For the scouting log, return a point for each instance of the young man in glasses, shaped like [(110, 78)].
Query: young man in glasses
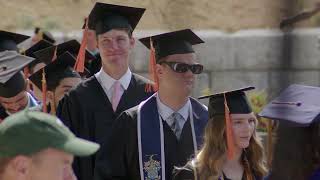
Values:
[(164, 131)]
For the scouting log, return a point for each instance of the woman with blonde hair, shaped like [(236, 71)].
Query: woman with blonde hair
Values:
[(231, 147)]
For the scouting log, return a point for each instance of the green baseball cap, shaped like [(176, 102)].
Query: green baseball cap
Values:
[(28, 132)]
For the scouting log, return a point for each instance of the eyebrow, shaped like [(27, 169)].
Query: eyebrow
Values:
[(67, 86), (238, 119)]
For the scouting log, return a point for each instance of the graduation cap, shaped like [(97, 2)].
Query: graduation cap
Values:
[(12, 81), (237, 102), (162, 45), (42, 44), (104, 17), (226, 103), (30, 52), (56, 71), (297, 105), (9, 40), (46, 35), (72, 46), (176, 42)]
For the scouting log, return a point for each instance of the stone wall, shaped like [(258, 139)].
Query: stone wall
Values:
[(248, 57), (252, 57)]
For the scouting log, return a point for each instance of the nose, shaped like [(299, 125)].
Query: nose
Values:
[(114, 44), (188, 73), (247, 126)]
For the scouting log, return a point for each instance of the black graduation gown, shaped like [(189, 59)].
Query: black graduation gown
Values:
[(3, 113), (87, 111), (95, 65), (120, 159)]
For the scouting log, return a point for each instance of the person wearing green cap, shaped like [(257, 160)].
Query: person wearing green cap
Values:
[(50, 153)]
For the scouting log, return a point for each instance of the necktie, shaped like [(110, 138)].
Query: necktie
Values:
[(176, 118), (116, 95)]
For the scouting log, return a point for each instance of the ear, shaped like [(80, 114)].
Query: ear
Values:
[(21, 166), (50, 96), (132, 42), (159, 70)]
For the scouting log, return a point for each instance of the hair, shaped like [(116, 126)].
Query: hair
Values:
[(129, 31), (211, 157), (296, 146)]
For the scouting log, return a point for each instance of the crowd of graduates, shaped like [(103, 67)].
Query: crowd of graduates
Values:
[(69, 99)]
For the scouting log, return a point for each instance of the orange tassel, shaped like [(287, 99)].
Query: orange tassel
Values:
[(152, 70), (44, 92), (229, 132), (79, 65)]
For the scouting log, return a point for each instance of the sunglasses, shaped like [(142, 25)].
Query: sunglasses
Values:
[(183, 67)]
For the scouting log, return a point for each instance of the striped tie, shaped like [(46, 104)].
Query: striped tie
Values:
[(176, 118)]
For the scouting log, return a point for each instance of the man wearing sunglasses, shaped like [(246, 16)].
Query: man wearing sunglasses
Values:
[(165, 130)]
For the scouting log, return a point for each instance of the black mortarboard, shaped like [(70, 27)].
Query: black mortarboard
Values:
[(236, 100), (177, 42), (9, 40), (56, 71), (297, 105), (71, 46), (42, 44), (104, 17), (12, 80), (46, 35)]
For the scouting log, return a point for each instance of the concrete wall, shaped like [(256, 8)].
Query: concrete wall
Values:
[(250, 57)]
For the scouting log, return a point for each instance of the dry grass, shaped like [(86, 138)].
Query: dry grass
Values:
[(228, 15)]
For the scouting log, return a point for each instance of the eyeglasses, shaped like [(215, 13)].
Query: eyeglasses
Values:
[(183, 67)]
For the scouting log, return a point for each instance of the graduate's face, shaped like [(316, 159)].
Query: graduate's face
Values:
[(115, 47), (175, 81), (49, 164), (64, 86), (16, 103), (243, 126)]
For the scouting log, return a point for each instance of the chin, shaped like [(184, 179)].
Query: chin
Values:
[(186, 91), (188, 88), (244, 145)]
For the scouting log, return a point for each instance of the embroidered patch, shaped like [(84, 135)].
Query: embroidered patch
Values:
[(152, 167)]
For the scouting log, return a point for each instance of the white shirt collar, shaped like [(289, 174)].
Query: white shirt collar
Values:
[(108, 81), (165, 111)]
